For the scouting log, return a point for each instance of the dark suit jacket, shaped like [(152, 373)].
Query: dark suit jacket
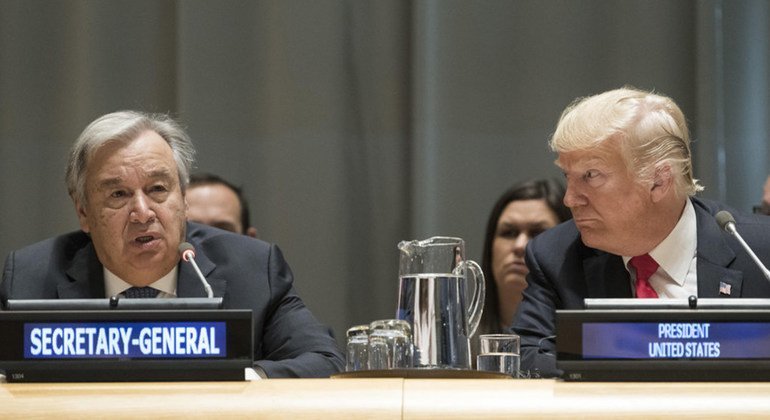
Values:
[(563, 271), (247, 273)]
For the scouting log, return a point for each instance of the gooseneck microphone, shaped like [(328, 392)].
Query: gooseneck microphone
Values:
[(727, 222), (188, 254)]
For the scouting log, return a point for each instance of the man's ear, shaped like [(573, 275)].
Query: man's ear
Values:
[(80, 209), (662, 182)]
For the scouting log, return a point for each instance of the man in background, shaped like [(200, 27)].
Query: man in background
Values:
[(213, 201), (127, 176), (637, 229), (764, 207)]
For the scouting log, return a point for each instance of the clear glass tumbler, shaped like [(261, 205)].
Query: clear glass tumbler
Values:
[(390, 344), (499, 353), (357, 348)]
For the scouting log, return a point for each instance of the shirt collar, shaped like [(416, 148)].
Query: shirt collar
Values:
[(676, 252), (114, 285)]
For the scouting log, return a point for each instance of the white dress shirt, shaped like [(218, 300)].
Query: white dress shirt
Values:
[(676, 277), (114, 285)]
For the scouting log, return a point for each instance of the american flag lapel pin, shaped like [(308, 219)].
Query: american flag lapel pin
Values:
[(724, 288)]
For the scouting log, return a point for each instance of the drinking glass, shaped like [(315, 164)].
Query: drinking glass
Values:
[(390, 344), (357, 348), (499, 353)]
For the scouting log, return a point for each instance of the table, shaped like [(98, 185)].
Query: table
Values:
[(385, 398)]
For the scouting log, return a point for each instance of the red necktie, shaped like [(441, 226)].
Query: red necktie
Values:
[(645, 266)]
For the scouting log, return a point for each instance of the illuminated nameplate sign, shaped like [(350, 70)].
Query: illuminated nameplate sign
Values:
[(675, 340), (132, 340), (664, 344), (125, 345)]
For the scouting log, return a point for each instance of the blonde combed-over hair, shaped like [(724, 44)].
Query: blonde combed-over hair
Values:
[(651, 129)]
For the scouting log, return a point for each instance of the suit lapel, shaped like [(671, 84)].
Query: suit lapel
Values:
[(714, 258), (188, 283), (606, 277), (85, 276)]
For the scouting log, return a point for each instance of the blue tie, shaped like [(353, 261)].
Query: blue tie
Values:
[(141, 292)]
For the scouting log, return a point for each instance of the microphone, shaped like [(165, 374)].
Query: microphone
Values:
[(727, 222), (188, 254)]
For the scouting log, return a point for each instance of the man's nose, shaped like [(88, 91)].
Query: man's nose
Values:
[(141, 210), (573, 197)]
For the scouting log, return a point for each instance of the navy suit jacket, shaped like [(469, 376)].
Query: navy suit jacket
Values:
[(564, 271), (246, 273)]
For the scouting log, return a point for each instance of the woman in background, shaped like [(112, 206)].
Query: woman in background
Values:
[(521, 213)]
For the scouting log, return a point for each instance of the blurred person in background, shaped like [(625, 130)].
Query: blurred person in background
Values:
[(213, 201), (764, 207), (522, 212)]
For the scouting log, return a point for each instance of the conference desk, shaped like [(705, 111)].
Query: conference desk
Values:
[(386, 398)]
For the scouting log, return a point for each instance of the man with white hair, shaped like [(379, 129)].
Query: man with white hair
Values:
[(127, 175), (637, 229)]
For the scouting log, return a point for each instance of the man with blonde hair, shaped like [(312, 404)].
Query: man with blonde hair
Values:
[(637, 230)]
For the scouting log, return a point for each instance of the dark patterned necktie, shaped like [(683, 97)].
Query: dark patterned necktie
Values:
[(645, 267), (141, 292)]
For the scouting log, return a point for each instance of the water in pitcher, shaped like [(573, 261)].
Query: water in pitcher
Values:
[(435, 305), (433, 279)]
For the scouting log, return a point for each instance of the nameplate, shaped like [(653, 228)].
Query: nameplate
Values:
[(125, 345), (100, 340), (664, 344)]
